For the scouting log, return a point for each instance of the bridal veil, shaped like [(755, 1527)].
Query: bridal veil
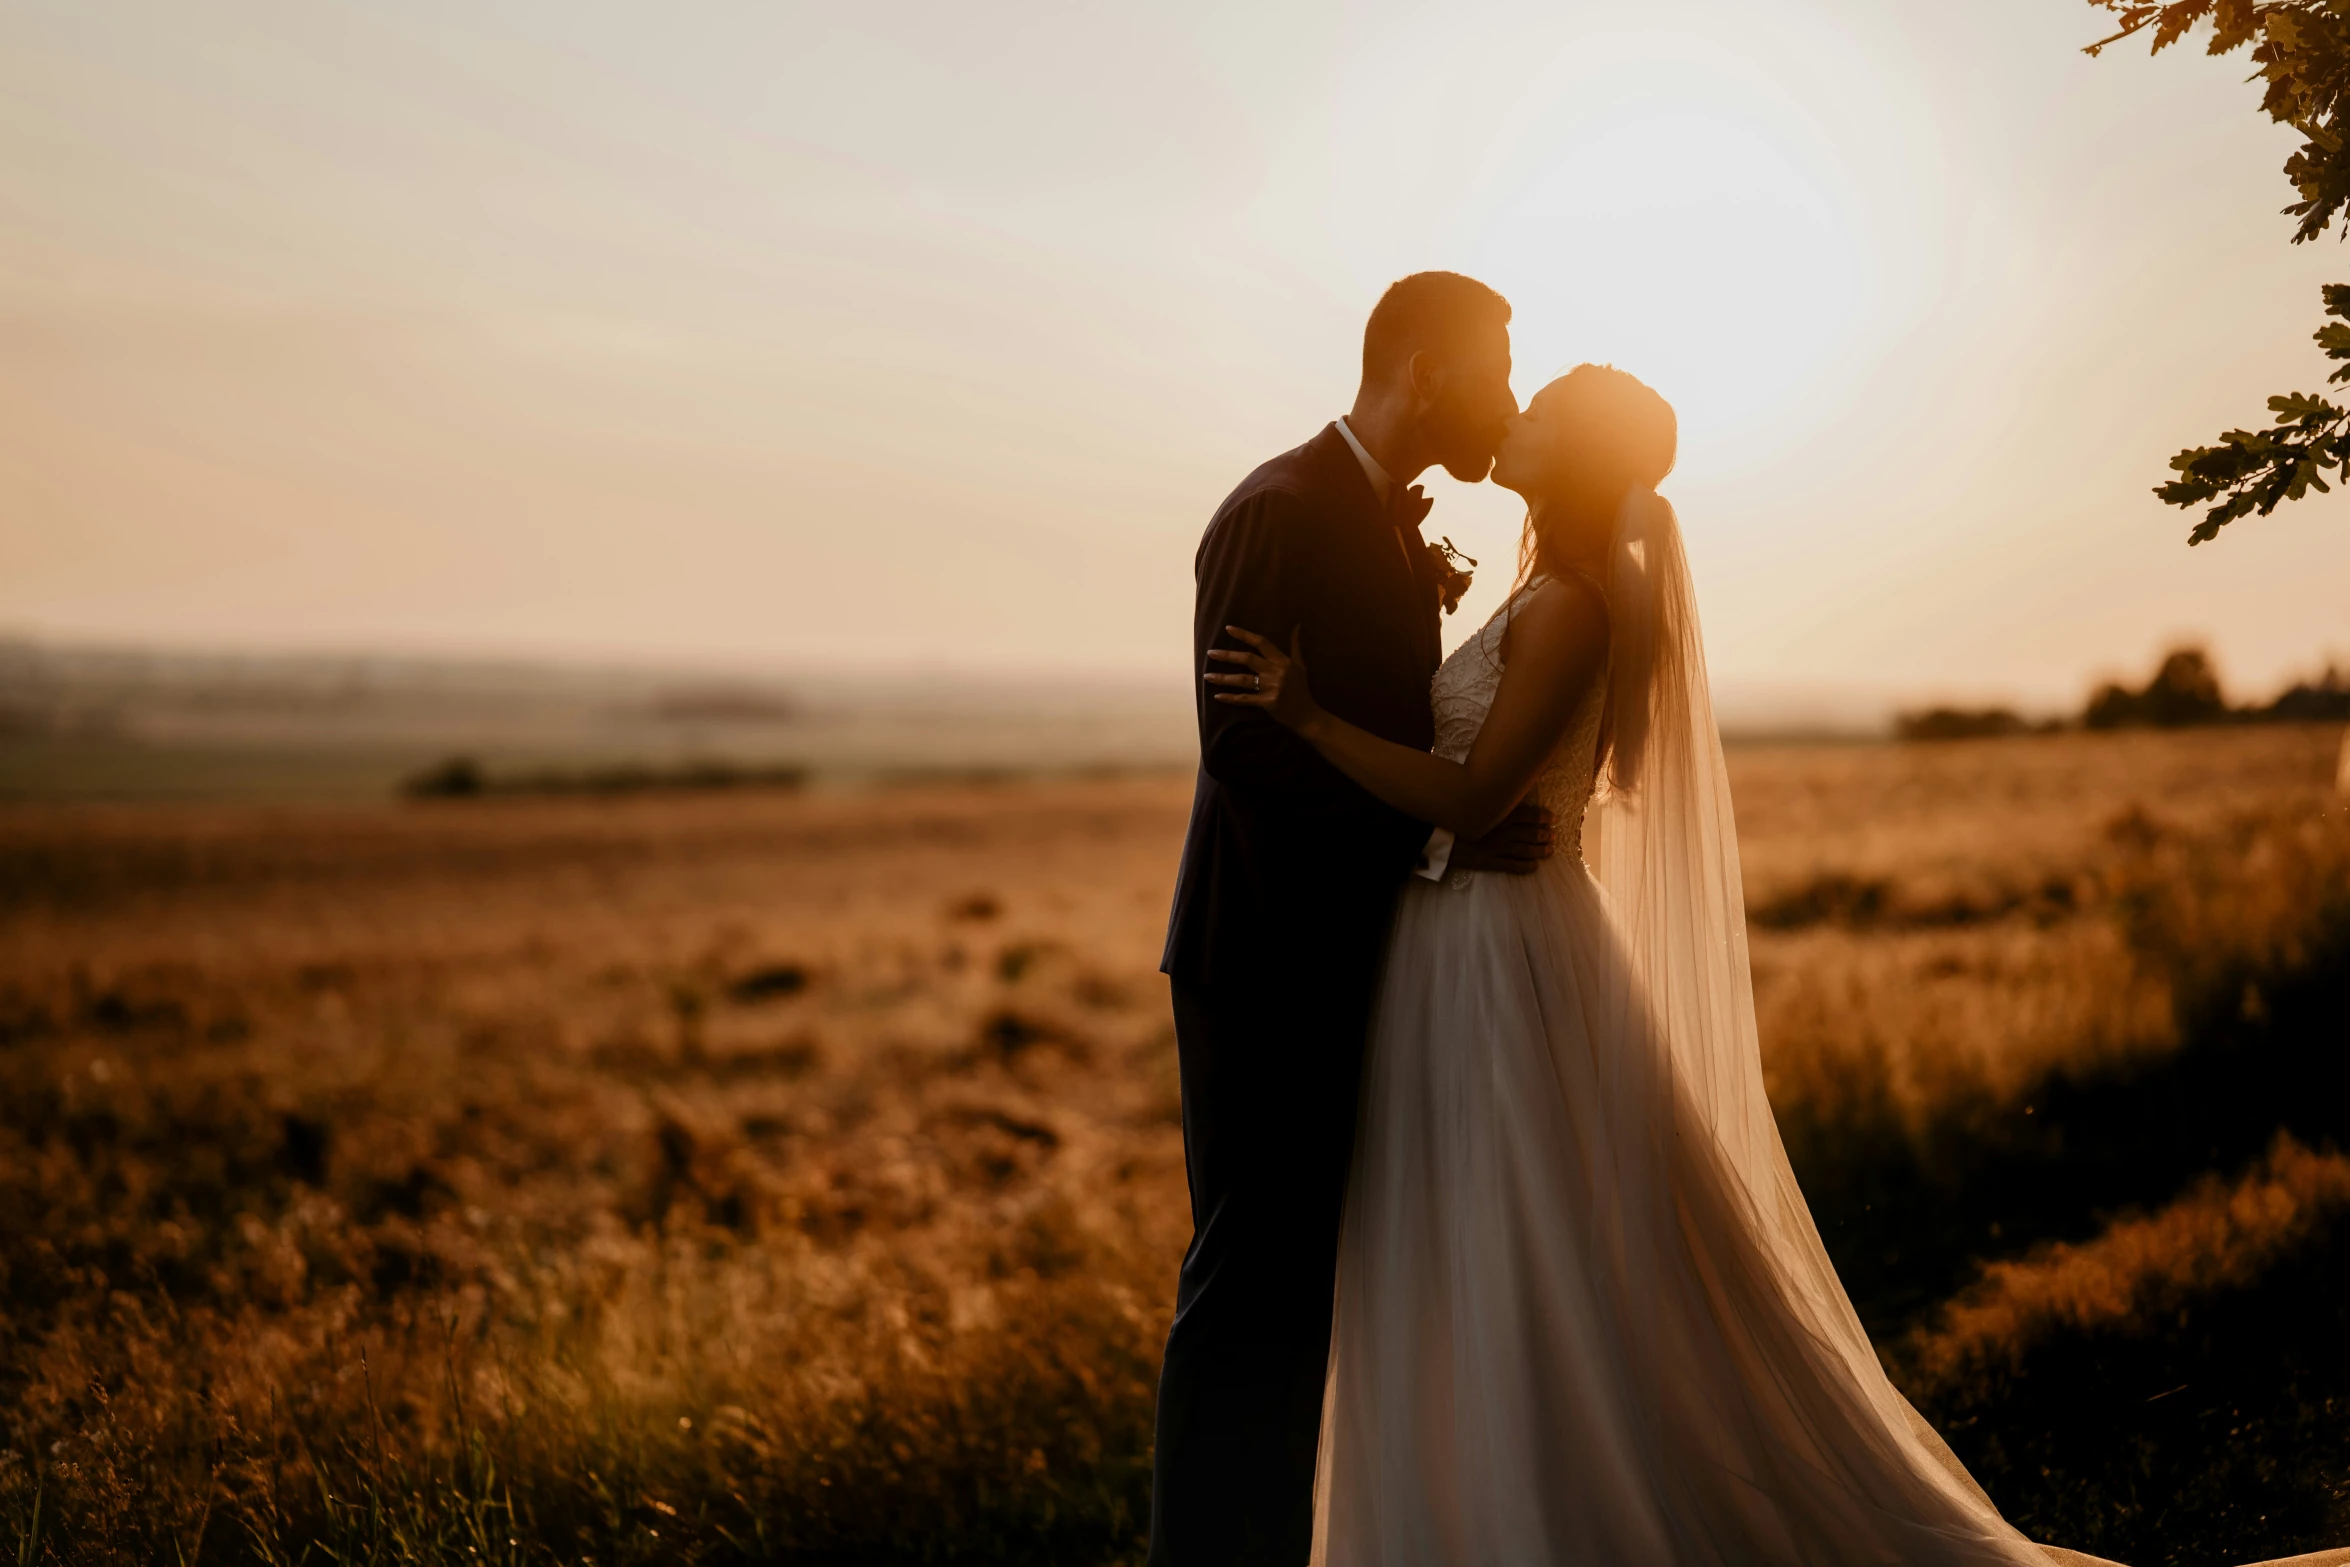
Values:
[(1661, 842)]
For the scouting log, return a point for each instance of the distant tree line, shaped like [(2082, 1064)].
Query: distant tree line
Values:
[(2184, 692), (462, 778)]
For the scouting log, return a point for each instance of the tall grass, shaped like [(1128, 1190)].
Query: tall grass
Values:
[(2211, 1019), (799, 1180), (2147, 1364), (2174, 1390), (692, 1403), (413, 1224)]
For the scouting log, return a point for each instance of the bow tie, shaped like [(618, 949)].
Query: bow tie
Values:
[(1408, 508)]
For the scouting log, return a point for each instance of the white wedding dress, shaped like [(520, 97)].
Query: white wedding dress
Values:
[(1583, 1316)]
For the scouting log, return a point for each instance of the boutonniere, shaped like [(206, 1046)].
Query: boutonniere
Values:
[(1449, 570)]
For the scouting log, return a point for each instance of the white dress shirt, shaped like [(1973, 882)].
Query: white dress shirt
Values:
[(1436, 854)]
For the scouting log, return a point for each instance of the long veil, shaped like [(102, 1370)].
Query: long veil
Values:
[(1661, 842)]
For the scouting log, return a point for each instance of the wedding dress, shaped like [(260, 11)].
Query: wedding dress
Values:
[(1583, 1314)]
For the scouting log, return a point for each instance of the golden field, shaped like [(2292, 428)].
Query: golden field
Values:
[(797, 1177)]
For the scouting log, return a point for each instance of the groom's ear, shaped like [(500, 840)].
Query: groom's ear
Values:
[(1427, 377)]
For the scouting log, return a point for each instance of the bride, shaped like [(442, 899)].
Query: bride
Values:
[(1583, 1314)]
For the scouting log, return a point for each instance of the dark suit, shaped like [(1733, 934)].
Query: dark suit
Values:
[(1289, 878)]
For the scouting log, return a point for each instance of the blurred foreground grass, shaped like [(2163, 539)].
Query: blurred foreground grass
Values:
[(798, 1178)]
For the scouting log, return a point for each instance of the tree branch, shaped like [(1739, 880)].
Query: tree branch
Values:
[(2259, 470)]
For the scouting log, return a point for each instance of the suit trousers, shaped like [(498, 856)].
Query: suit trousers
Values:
[(1270, 1077)]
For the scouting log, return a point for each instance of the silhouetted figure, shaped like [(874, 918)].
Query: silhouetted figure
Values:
[(1289, 876)]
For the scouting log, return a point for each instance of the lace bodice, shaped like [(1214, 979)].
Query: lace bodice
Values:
[(1462, 694)]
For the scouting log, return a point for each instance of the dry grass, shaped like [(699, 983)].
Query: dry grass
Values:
[(803, 1174), (2219, 1236), (798, 1177), (2172, 1390), (2069, 1093)]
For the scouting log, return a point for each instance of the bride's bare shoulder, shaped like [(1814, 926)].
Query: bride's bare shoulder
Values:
[(1562, 618)]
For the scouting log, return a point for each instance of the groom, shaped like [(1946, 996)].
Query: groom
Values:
[(1290, 873)]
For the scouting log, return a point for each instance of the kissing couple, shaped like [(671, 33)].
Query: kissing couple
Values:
[(1497, 1258)]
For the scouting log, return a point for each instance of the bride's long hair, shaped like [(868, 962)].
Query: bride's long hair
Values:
[(1617, 441)]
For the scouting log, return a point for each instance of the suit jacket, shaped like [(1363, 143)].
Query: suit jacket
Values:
[(1291, 869)]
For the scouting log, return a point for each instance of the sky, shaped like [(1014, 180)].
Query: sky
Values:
[(914, 337)]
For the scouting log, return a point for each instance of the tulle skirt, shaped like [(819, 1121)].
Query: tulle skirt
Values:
[(1569, 1329)]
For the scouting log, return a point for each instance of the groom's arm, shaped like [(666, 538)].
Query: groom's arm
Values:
[(1252, 563)]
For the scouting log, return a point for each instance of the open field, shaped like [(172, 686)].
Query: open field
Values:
[(91, 724), (797, 1176)]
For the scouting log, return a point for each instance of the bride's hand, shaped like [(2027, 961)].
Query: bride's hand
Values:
[(1267, 678)]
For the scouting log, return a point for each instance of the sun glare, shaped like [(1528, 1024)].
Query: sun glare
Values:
[(1695, 251), (1739, 214)]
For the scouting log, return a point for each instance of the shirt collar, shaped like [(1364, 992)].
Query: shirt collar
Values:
[(1382, 484)]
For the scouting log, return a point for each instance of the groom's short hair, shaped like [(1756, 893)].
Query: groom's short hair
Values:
[(1428, 310)]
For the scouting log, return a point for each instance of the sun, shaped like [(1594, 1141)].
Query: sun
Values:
[(1702, 251)]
